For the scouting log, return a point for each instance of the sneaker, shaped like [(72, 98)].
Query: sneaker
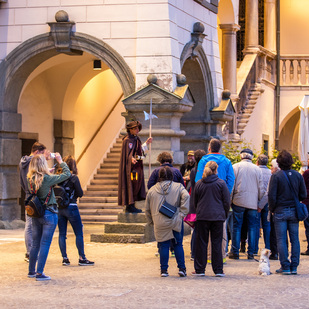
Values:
[(85, 262), (194, 273), (209, 261), (220, 275), (157, 254), (42, 277), (164, 273), (172, 254), (192, 258), (66, 262), (293, 271), (233, 256), (27, 257), (224, 260), (283, 271), (31, 274), (182, 273)]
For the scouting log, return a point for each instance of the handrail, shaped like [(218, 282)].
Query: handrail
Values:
[(98, 130)]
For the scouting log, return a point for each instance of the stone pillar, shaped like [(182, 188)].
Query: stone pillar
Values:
[(270, 25), (10, 153), (229, 57), (64, 134), (252, 25)]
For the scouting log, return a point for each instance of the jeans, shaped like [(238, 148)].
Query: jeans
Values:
[(28, 233), (272, 236), (193, 243), (263, 217), (306, 223), (42, 232), (71, 214), (285, 221), (203, 229), (178, 249), (229, 229), (238, 215)]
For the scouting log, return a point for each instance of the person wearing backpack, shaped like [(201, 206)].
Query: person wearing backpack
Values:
[(71, 213)]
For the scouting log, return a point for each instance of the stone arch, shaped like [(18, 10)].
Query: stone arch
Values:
[(26, 57)]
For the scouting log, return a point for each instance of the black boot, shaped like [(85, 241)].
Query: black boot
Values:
[(132, 209)]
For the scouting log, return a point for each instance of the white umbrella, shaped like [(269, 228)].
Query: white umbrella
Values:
[(304, 131)]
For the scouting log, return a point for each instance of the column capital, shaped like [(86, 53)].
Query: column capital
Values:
[(229, 27)]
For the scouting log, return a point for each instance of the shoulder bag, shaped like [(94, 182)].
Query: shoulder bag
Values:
[(33, 205), (167, 209), (301, 208)]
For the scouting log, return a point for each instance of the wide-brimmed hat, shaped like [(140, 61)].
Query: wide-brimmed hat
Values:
[(134, 124)]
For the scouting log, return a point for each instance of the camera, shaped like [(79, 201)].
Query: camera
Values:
[(52, 155)]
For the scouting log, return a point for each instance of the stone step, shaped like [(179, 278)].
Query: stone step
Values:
[(111, 160), (125, 217), (101, 193), (99, 212), (108, 170), (115, 150), (118, 238), (102, 187), (241, 120), (108, 165), (99, 219), (113, 155), (103, 199), (99, 206), (103, 176), (98, 181), (125, 228)]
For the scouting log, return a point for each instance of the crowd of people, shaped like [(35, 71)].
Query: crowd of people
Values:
[(230, 204), (227, 205)]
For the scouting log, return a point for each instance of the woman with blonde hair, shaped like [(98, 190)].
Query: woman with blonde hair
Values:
[(71, 213), (40, 181), (212, 203)]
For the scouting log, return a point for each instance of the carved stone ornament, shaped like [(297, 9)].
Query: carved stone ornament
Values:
[(197, 37), (226, 110)]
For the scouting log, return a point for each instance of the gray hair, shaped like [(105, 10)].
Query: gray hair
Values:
[(246, 155), (274, 163)]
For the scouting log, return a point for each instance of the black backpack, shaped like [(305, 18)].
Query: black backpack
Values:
[(62, 194)]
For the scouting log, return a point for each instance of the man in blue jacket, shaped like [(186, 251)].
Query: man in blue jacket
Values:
[(226, 173)]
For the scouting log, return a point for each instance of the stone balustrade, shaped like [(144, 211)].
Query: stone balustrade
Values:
[(294, 70)]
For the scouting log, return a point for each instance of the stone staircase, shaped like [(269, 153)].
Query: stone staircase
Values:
[(100, 201), (246, 111)]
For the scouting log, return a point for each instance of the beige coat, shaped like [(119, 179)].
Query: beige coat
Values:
[(176, 195)]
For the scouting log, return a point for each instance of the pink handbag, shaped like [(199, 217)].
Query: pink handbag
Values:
[(190, 219)]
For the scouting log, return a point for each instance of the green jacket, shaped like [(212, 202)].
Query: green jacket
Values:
[(49, 181)]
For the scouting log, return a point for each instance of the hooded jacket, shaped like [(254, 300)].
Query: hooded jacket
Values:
[(23, 171), (211, 199), (175, 194), (225, 169)]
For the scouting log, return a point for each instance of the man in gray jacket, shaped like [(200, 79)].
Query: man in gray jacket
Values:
[(248, 191)]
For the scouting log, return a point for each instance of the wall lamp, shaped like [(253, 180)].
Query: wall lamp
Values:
[(97, 65)]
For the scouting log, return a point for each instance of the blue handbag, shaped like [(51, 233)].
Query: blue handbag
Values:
[(301, 208)]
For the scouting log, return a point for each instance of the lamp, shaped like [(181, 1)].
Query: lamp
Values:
[(97, 65)]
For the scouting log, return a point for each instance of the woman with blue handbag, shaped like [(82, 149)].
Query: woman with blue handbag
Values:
[(286, 188)]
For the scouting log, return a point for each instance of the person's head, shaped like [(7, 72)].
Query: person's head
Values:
[(165, 157), (214, 145), (199, 154), (165, 173), (37, 169), (262, 159), (37, 148), (134, 127), (274, 166), (70, 161), (246, 154), (190, 157), (285, 160), (210, 169)]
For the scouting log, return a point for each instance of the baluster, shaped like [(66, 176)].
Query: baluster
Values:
[(298, 71), (291, 72), (283, 72), (307, 72)]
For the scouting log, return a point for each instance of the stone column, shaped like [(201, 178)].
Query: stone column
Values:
[(270, 25), (10, 145), (229, 56), (64, 134), (252, 25)]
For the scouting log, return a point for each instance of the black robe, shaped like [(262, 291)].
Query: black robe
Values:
[(130, 190)]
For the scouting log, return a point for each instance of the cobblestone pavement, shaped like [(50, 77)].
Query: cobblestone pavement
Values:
[(127, 276)]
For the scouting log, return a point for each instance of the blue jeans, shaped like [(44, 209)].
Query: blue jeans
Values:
[(71, 214), (263, 217), (285, 221), (229, 228), (42, 234), (238, 216), (28, 233), (178, 249), (306, 223)]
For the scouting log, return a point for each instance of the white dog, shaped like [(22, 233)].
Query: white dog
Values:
[(264, 267)]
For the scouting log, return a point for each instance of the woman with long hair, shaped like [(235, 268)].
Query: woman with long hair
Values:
[(168, 229), (71, 213), (212, 204), (40, 180), (283, 186)]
